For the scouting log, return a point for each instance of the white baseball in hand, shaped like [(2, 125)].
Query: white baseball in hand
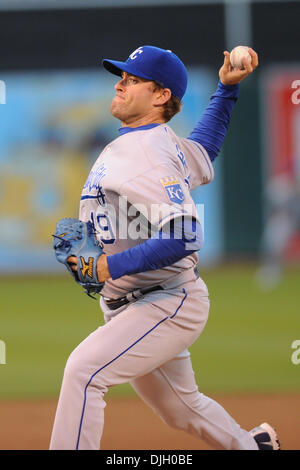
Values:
[(236, 56)]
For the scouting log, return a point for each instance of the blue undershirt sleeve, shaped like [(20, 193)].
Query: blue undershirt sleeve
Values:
[(167, 246), (211, 129)]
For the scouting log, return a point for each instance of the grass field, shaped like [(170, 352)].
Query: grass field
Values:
[(246, 345)]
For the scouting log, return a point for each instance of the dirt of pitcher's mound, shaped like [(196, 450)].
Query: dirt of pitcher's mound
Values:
[(130, 424)]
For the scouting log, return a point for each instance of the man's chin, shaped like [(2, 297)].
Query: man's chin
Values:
[(115, 112)]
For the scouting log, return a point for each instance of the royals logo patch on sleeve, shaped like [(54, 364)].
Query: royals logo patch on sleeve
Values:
[(173, 189)]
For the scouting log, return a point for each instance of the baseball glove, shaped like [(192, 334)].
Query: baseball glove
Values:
[(76, 238)]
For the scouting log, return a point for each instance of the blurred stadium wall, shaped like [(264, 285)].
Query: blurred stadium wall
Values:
[(56, 121)]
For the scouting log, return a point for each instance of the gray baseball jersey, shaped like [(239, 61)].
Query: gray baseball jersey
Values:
[(139, 182), (144, 342)]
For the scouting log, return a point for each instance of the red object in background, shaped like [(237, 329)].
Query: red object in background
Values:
[(292, 250), (282, 129), (282, 117)]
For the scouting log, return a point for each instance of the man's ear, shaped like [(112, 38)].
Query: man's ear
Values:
[(162, 96)]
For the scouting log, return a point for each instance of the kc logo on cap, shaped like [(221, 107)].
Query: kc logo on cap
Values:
[(135, 53)]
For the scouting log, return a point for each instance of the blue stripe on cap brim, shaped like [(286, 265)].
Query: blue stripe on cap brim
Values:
[(116, 67)]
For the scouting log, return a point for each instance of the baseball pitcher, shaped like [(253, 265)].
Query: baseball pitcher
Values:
[(136, 243)]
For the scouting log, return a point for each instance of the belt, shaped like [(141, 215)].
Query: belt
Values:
[(114, 304)]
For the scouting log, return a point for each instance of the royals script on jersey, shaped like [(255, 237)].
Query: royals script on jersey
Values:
[(138, 184)]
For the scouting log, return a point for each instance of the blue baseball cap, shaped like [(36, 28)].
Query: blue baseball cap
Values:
[(153, 63)]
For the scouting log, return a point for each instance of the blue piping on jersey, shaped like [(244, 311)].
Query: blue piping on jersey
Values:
[(99, 370), (199, 147), (88, 197), (126, 130)]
